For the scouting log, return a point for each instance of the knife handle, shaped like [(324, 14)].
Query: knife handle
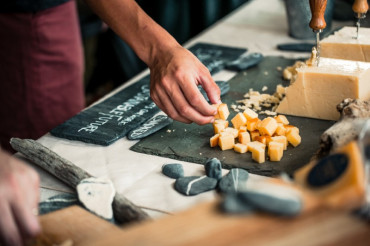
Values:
[(318, 10), (360, 6)]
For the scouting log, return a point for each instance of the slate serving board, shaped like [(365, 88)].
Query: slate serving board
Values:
[(191, 142), (112, 119)]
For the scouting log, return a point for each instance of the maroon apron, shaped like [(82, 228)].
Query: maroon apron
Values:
[(41, 71)]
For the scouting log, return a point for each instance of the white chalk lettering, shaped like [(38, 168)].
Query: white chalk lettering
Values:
[(118, 111)]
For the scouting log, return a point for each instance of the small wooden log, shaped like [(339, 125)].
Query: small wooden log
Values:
[(123, 209)]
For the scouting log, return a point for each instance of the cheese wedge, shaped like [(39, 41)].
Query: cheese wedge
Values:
[(317, 90), (342, 45)]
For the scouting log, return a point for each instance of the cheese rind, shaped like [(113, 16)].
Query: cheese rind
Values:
[(318, 90), (342, 45)]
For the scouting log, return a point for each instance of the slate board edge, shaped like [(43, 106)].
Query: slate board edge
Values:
[(199, 160)]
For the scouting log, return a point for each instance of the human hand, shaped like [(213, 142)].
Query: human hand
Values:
[(174, 77), (19, 194)]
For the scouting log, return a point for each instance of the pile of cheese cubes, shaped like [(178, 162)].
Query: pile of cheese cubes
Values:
[(253, 134)]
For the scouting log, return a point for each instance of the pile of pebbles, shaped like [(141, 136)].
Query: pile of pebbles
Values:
[(238, 197)]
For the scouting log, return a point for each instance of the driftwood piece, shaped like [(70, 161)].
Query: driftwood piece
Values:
[(354, 108), (123, 209), (354, 113)]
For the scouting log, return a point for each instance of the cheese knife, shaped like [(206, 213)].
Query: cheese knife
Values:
[(317, 23), (360, 7)]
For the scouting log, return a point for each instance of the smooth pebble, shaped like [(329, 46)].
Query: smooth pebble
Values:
[(234, 181), (194, 185), (213, 168), (174, 170)]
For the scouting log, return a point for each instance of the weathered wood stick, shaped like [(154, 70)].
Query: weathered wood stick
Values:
[(124, 210)]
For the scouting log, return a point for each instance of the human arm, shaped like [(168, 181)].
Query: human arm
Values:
[(175, 72), (19, 194)]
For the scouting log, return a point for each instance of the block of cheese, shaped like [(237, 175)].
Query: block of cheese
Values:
[(223, 111), (293, 138), (250, 114), (342, 45), (240, 148), (222, 122), (258, 154), (244, 137), (218, 128), (239, 120), (268, 126), (213, 141), (275, 151), (317, 90), (252, 124), (226, 141)]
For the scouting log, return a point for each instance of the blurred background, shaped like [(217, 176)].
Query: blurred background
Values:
[(109, 61)]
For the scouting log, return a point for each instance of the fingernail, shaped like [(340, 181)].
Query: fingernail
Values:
[(212, 120)]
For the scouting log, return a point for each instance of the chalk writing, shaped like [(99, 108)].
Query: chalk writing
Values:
[(118, 111), (147, 126)]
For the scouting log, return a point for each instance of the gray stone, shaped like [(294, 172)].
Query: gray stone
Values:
[(273, 198), (194, 185), (174, 170), (97, 194), (213, 168), (151, 126), (234, 181), (233, 204)]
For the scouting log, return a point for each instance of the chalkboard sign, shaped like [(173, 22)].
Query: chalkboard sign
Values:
[(112, 119)]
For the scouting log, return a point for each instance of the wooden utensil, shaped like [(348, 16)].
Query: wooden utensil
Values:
[(317, 22)]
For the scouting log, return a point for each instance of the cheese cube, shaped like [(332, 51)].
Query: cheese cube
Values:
[(258, 154), (217, 116), (250, 114), (226, 141), (254, 135), (218, 128), (240, 148), (244, 137), (239, 120), (293, 138), (232, 131), (268, 126), (275, 151), (290, 128), (223, 122), (280, 139), (223, 111), (213, 141), (281, 119), (280, 130), (255, 144), (318, 90), (263, 139), (342, 45), (243, 129), (252, 124)]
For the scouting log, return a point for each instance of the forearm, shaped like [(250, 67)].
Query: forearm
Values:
[(132, 24)]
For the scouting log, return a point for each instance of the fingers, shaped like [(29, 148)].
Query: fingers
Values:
[(163, 101), (9, 234), (193, 97), (211, 88), (177, 106), (19, 189)]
